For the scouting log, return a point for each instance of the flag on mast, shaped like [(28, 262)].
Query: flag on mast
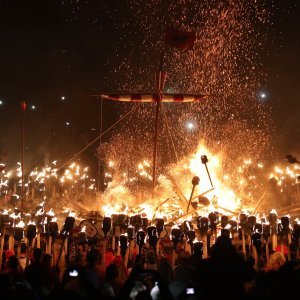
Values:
[(182, 40)]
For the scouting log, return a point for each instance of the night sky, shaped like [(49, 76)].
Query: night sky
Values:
[(55, 58)]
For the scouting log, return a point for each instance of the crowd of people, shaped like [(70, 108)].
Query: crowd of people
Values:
[(225, 274)]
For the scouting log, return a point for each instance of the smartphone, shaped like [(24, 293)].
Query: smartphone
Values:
[(73, 273), (190, 291)]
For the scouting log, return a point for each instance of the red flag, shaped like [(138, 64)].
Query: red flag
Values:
[(182, 40)]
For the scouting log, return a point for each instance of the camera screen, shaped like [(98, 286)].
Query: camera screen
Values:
[(73, 273), (190, 291)]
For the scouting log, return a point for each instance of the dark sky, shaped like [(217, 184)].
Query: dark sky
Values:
[(283, 70), (46, 55)]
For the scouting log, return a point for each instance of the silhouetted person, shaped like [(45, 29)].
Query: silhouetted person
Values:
[(14, 270), (165, 270), (223, 274), (38, 275)]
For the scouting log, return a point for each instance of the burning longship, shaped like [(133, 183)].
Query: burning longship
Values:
[(186, 187), (180, 195)]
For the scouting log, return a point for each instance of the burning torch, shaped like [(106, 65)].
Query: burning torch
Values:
[(106, 227), (274, 227), (18, 235), (243, 221), (195, 181), (175, 238), (68, 226), (31, 234), (204, 160), (203, 225), (140, 240)]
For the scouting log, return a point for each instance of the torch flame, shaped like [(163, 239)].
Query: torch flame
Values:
[(21, 224)]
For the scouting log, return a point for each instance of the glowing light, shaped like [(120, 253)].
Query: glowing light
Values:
[(67, 123), (263, 95), (62, 98), (51, 213), (72, 214), (33, 107), (190, 125), (21, 224)]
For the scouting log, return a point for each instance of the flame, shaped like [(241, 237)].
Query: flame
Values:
[(196, 241), (221, 195), (40, 212), (225, 196), (117, 209), (50, 213), (21, 224), (159, 215), (228, 226), (15, 216), (175, 226), (72, 214), (31, 223)]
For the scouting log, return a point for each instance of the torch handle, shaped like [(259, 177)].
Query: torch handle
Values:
[(11, 242), (204, 241), (103, 252), (113, 243), (289, 241), (28, 253), (244, 243), (53, 260), (130, 249), (255, 255), (38, 240), (1, 248), (274, 241), (19, 250), (50, 245), (157, 246), (126, 258), (191, 197), (61, 249), (208, 175), (31, 244)]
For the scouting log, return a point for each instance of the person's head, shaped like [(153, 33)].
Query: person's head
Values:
[(93, 257), (9, 253), (37, 255), (13, 262), (47, 259), (143, 295), (198, 249), (223, 247), (112, 272), (250, 261)]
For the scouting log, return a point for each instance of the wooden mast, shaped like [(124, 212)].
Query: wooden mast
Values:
[(160, 77)]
